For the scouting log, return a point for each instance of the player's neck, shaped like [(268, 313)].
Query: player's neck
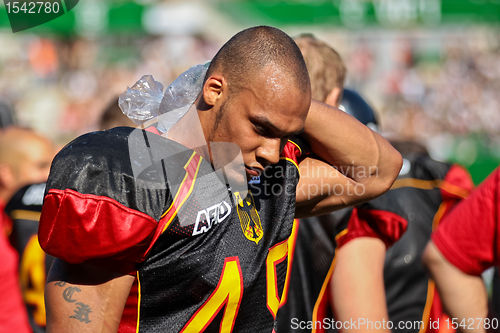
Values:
[(189, 132)]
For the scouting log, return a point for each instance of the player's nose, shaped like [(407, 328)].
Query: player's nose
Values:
[(269, 151)]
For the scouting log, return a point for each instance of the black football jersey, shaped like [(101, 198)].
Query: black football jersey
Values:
[(422, 194), (24, 210), (207, 258)]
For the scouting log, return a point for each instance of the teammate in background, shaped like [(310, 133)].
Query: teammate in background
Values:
[(202, 273), (349, 273), (464, 245), (13, 317), (24, 210), (24, 158), (327, 71), (425, 191)]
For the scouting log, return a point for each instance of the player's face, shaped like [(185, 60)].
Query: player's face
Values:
[(260, 118), (36, 164)]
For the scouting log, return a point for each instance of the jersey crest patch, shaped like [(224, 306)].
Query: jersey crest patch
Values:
[(249, 217)]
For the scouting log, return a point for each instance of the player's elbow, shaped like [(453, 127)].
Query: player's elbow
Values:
[(382, 175), (387, 170), (431, 258)]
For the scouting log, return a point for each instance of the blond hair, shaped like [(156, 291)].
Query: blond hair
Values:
[(325, 66)]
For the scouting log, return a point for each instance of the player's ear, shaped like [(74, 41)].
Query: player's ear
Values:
[(213, 89), (334, 97)]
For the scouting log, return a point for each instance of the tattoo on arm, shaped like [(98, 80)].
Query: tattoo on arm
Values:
[(82, 310), (68, 294), (60, 283), (82, 313)]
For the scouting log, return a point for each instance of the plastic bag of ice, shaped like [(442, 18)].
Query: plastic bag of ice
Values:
[(146, 100), (180, 95), (141, 102)]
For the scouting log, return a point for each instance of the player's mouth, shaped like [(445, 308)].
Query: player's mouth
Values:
[(253, 172)]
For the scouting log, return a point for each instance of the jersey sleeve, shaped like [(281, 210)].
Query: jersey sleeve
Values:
[(468, 235), (96, 207), (381, 218), (457, 184), (296, 149)]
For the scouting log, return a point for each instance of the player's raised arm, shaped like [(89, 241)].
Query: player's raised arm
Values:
[(355, 163), (85, 298)]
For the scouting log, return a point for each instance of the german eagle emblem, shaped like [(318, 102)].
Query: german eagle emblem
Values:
[(249, 217)]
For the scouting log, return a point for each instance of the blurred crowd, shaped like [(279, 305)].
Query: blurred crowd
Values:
[(60, 87), (433, 88), (440, 89), (420, 92)]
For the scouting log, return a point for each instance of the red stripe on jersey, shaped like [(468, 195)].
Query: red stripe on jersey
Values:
[(183, 193), (128, 322), (382, 224), (79, 227), (292, 241)]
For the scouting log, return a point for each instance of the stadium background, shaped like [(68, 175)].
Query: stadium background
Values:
[(430, 67)]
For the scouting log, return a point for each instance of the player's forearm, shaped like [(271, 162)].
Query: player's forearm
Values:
[(79, 301), (463, 296), (354, 149), (355, 296)]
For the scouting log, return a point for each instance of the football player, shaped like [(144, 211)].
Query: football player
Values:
[(125, 203), (24, 158), (465, 245)]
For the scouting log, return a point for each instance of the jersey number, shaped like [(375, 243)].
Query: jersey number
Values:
[(229, 292)]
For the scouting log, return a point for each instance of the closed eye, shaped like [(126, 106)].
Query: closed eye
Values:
[(262, 126), (263, 131)]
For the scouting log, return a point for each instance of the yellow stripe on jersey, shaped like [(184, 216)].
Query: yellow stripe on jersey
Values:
[(291, 161), (296, 145), (178, 202), (322, 293), (138, 302), (416, 183), (21, 214), (340, 234)]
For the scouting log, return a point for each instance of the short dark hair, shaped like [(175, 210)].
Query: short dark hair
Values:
[(254, 48)]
